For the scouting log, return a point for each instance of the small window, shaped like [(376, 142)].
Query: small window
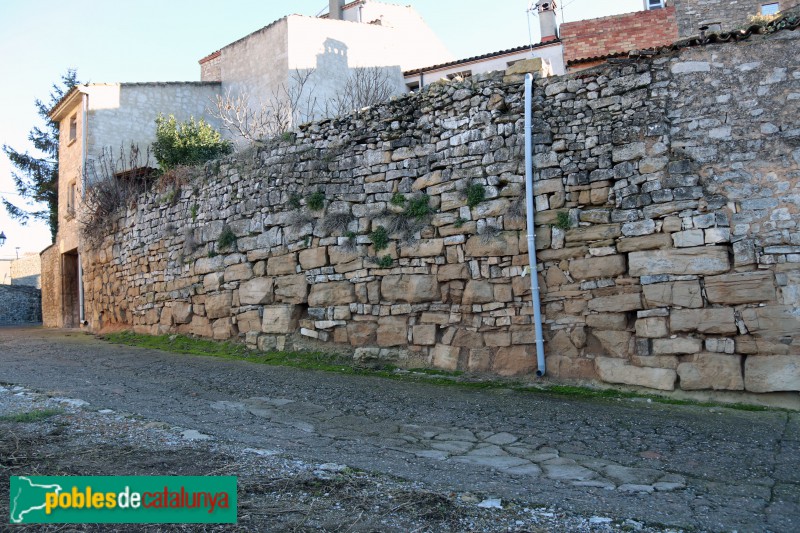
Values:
[(73, 127), (654, 4), (72, 194), (770, 9)]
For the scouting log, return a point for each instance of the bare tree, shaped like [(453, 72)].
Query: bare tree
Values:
[(286, 106), (366, 86)]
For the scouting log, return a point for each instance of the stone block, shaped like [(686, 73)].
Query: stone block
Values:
[(282, 265), (451, 272), (411, 288), (677, 346), (362, 333), (613, 370), (465, 338), (238, 272), (719, 345), (751, 345), (688, 238), (515, 361), (280, 319), (741, 288), (204, 265), (648, 242), (615, 343), (503, 244), (561, 344), (424, 248), (248, 321), (525, 66), (445, 357), (219, 305), (597, 267), (182, 312), (313, 258), (599, 232), (392, 331), (424, 335), (612, 321), (705, 260), (257, 291), (708, 321), (331, 293), (772, 373), (652, 327), (291, 289), (711, 371), (772, 321), (201, 327), (222, 329), (497, 338), (477, 292), (616, 303), (480, 360), (673, 294), (212, 281)]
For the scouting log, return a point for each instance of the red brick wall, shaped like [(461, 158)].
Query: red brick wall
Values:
[(619, 33)]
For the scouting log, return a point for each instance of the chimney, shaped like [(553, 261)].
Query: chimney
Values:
[(335, 9), (547, 19)]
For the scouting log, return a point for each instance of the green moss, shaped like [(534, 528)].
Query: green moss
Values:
[(31, 416), (380, 238), (316, 201), (476, 193)]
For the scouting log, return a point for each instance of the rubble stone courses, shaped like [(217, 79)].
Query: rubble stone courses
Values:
[(667, 229)]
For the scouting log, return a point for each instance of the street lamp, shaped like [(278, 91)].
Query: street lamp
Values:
[(2, 238)]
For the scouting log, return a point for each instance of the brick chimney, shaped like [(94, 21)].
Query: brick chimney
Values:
[(335, 9), (547, 19)]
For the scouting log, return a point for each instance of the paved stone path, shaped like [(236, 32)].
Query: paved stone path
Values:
[(694, 467)]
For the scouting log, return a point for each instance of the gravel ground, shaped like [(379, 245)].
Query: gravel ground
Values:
[(276, 493)]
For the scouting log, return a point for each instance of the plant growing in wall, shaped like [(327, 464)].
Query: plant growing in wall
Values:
[(386, 261), (294, 200), (412, 218), (186, 143), (562, 220), (398, 199), (476, 193), (316, 201), (227, 239), (336, 223), (380, 238)]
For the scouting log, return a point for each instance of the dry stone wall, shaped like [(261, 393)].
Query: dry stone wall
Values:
[(667, 196), (20, 305)]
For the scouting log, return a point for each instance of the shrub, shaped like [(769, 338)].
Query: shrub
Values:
[(186, 143), (226, 239), (418, 207), (380, 238), (316, 201), (398, 199), (562, 220), (476, 193), (294, 200), (386, 261)]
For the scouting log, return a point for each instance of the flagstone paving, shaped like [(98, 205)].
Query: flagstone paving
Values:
[(708, 468)]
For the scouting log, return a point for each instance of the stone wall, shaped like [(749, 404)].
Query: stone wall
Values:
[(52, 301), (20, 305), (667, 215), (731, 13), (27, 270)]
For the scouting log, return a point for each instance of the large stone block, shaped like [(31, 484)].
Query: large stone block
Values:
[(599, 232), (182, 312), (709, 321), (616, 303), (423, 248), (280, 319), (615, 343), (362, 333), (613, 370), (614, 321), (647, 242), (673, 294), (257, 291), (742, 288), (445, 357), (515, 361), (314, 258), (772, 321), (477, 292), (219, 305), (331, 293), (424, 335), (282, 265), (392, 331), (238, 272), (677, 346), (772, 373), (504, 243), (248, 321), (291, 289), (453, 271), (411, 288), (711, 371), (204, 265), (652, 327), (704, 260), (597, 267)]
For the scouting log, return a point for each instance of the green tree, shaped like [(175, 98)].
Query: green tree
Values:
[(36, 178), (186, 143)]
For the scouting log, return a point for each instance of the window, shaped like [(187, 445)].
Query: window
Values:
[(72, 194), (653, 4), (770, 9), (73, 127), (413, 86)]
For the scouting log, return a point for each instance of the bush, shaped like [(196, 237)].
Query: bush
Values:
[(186, 143), (476, 193), (380, 238), (316, 201)]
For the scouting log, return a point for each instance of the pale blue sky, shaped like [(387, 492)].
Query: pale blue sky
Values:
[(162, 40)]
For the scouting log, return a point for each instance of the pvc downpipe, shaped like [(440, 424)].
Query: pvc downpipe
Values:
[(537, 310)]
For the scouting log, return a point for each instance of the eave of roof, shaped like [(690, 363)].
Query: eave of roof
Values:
[(65, 104), (474, 59)]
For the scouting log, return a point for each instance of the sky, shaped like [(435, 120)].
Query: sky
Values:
[(162, 40)]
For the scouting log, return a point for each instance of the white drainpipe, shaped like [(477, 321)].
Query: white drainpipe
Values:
[(84, 136), (537, 310)]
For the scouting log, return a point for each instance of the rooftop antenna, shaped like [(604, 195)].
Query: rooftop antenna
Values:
[(531, 9)]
